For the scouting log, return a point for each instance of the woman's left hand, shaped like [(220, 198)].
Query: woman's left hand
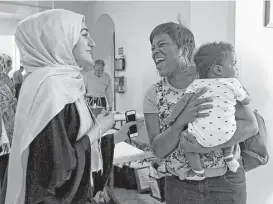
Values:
[(188, 143), (121, 135)]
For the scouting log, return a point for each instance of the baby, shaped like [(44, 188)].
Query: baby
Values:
[(216, 66)]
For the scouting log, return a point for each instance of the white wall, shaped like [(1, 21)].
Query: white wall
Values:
[(134, 22), (254, 44), (7, 26), (76, 6), (103, 36), (213, 21)]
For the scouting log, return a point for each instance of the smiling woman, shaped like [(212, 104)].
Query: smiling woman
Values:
[(83, 49), (50, 160), (172, 48)]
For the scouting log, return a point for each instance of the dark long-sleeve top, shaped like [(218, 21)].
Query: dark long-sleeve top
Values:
[(58, 168)]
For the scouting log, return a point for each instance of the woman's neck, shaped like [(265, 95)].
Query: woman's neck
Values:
[(182, 80)]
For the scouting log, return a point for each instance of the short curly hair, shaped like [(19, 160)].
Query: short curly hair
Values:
[(179, 33), (210, 54)]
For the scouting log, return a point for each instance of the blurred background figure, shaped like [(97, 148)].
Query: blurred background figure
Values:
[(99, 86), (18, 80), (6, 63), (7, 114)]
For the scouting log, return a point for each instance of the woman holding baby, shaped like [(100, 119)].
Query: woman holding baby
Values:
[(199, 173)]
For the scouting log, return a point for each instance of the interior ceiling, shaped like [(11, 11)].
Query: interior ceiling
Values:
[(12, 16), (18, 10)]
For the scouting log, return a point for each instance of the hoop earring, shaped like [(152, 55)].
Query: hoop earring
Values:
[(158, 73), (186, 63)]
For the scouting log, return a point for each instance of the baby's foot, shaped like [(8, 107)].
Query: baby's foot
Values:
[(195, 175)]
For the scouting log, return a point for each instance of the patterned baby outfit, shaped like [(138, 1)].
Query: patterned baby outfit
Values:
[(220, 125)]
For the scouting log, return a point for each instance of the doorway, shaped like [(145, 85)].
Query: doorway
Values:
[(104, 36)]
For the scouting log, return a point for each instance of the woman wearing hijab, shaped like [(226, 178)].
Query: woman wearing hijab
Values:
[(50, 160)]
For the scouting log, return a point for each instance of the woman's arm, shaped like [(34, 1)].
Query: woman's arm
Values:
[(247, 126), (122, 134), (164, 143)]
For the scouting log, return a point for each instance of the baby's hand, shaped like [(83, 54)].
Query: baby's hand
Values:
[(247, 99), (247, 93)]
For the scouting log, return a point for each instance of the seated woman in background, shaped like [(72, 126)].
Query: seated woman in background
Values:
[(50, 160)]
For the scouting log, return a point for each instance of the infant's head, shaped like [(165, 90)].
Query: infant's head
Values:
[(216, 60)]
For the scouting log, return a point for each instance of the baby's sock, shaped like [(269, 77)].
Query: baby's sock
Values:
[(232, 163), (195, 175)]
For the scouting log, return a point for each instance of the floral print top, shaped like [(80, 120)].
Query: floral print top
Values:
[(7, 107), (163, 97)]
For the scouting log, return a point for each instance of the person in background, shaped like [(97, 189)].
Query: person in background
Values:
[(18, 80), (7, 114), (54, 131), (6, 62), (99, 94), (98, 84), (172, 48)]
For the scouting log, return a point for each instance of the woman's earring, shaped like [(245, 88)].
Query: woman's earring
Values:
[(185, 63), (157, 73)]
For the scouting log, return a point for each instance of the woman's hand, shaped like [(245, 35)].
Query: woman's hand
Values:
[(106, 121), (194, 107), (122, 135)]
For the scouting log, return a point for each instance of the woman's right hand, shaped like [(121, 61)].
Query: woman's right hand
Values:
[(106, 121), (194, 108)]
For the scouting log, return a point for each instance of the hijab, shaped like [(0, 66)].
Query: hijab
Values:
[(45, 41)]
